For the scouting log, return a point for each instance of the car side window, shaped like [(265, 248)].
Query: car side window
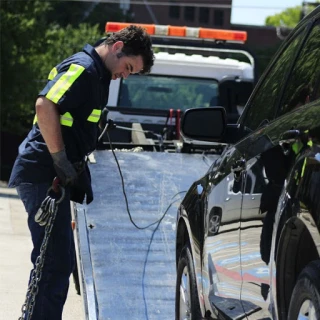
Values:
[(261, 109), (303, 80)]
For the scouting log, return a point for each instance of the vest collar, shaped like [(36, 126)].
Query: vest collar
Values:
[(102, 70)]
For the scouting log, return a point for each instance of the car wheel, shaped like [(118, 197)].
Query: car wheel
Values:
[(187, 300), (305, 299)]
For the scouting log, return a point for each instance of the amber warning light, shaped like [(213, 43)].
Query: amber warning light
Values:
[(163, 30)]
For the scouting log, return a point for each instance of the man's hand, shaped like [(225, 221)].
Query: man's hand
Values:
[(103, 118), (64, 168)]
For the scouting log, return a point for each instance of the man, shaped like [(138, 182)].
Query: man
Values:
[(65, 131)]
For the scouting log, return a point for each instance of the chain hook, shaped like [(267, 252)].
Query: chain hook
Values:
[(45, 217), (57, 187)]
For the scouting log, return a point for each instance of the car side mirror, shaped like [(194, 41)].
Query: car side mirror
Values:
[(204, 124)]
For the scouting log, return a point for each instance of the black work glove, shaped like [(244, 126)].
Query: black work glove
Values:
[(103, 118), (64, 168)]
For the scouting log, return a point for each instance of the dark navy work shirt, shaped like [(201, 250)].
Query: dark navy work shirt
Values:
[(79, 86)]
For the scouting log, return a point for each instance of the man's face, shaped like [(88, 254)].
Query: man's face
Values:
[(122, 66)]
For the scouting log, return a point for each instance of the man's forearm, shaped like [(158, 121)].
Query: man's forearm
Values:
[(49, 124)]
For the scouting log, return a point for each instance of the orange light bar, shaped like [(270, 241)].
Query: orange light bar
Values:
[(117, 26), (177, 31), (223, 34)]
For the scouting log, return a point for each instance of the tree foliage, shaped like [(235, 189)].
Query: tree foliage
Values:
[(288, 18), (22, 28), (35, 36)]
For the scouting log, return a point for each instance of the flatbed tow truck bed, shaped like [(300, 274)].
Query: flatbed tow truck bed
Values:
[(126, 273)]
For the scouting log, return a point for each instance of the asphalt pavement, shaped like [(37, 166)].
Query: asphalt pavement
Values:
[(15, 265)]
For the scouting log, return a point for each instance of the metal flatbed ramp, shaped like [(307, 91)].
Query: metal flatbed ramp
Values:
[(129, 273)]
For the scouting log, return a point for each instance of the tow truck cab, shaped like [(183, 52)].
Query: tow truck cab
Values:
[(207, 69)]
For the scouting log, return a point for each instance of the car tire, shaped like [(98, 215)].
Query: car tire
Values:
[(305, 299), (187, 299)]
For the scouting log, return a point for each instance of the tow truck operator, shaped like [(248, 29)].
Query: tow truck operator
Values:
[(64, 132)]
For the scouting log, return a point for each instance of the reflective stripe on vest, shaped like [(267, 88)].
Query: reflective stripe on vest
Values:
[(64, 83), (66, 119), (95, 115), (52, 73), (296, 147), (310, 144)]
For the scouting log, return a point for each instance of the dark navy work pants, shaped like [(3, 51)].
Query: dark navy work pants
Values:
[(60, 254)]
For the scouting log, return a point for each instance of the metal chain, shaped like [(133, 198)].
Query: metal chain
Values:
[(44, 217)]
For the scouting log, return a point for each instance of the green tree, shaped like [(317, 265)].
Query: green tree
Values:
[(23, 26), (288, 18)]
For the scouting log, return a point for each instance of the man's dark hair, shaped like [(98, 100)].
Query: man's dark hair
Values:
[(136, 42)]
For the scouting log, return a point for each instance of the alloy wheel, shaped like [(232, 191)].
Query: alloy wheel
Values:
[(185, 296), (307, 311)]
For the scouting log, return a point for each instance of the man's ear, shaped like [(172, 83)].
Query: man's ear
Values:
[(117, 47)]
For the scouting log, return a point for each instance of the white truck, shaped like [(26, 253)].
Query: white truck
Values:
[(125, 239), (199, 68)]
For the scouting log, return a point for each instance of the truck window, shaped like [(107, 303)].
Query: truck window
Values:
[(167, 92)]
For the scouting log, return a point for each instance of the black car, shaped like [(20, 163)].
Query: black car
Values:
[(247, 237)]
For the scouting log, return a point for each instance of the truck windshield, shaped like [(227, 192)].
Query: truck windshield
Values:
[(167, 92)]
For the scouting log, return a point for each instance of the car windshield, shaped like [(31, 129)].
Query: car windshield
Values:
[(167, 92)]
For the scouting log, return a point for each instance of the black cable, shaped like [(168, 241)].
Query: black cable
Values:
[(125, 195)]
